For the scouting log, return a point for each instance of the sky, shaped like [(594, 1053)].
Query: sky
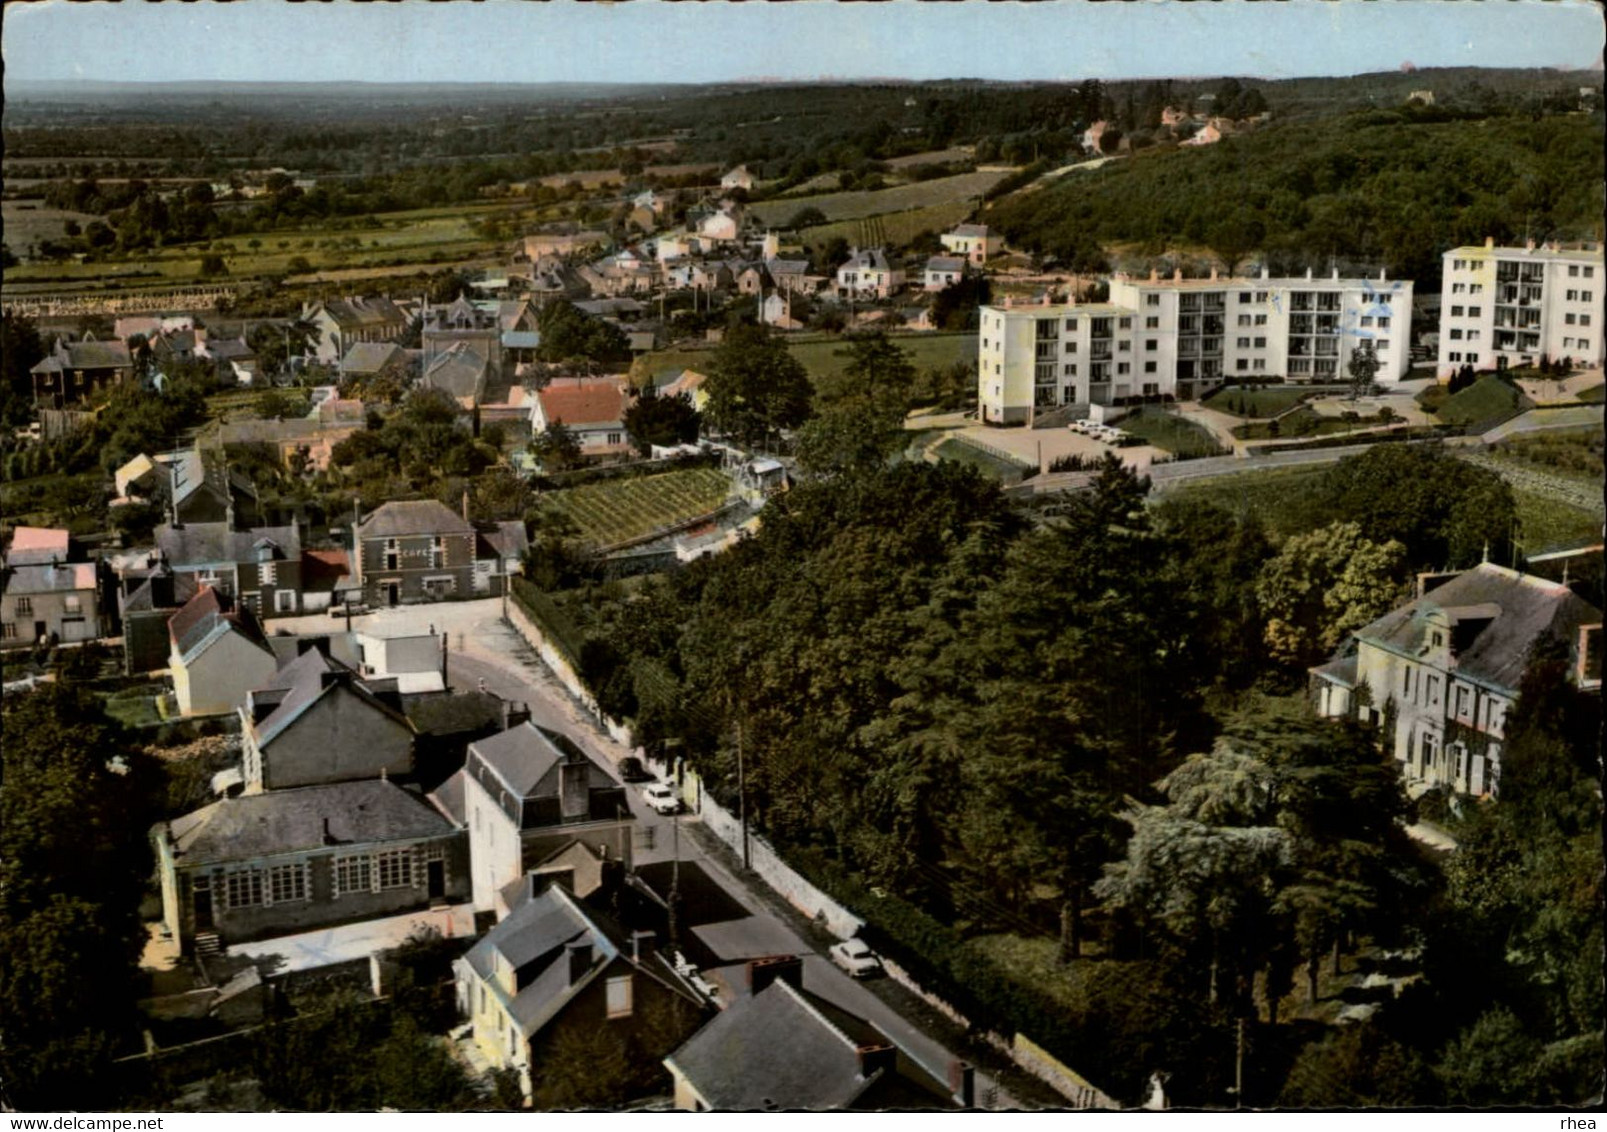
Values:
[(720, 40)]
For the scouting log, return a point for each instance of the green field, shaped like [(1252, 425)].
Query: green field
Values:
[(1265, 402), (1174, 433), (893, 229), (614, 511), (1300, 423), (1594, 395), (435, 235), (856, 205), (1550, 524)]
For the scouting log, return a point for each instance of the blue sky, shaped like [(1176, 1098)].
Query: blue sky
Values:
[(657, 41)]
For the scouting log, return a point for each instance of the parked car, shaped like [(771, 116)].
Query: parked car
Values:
[(661, 798), (632, 770), (853, 956)]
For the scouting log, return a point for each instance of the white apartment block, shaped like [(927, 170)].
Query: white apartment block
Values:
[(1184, 337), (1505, 307)]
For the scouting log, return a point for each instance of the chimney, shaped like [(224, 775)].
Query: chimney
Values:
[(1528, 245), (962, 1083), (1336, 273), (643, 944), (1308, 274), (465, 505), (574, 793), (1489, 241), (1213, 274), (1154, 276), (579, 960), (770, 968), (1177, 275), (877, 1058)]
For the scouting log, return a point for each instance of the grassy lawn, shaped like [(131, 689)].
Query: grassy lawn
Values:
[(1550, 524), (1265, 402), (135, 707), (615, 511), (1302, 422), (1487, 399), (994, 467), (1171, 432), (1277, 496), (855, 205), (1595, 395)]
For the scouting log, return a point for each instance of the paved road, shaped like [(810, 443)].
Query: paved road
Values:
[(483, 647)]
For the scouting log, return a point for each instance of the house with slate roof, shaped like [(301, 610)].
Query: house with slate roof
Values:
[(1446, 669), (341, 323), (263, 865), (202, 489), (868, 275), (460, 372), (73, 371), (780, 1046), (369, 359), (943, 271), (525, 794), (555, 967), (52, 600), (261, 567), (316, 721), (217, 652), (414, 550)]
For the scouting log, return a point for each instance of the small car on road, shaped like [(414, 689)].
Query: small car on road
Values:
[(661, 798), (853, 956)]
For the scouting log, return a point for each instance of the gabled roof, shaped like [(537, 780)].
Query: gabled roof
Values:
[(534, 941), (583, 403), (208, 616), (1496, 616), (403, 518), (301, 683), (969, 230), (507, 539), (459, 371), (867, 259), (214, 544), (66, 578), (527, 757), (786, 1048), (37, 546), (366, 812), (945, 263), (371, 357), (90, 354), (358, 313)]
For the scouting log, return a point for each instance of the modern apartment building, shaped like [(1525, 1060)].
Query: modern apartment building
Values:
[(1505, 307), (1184, 337)]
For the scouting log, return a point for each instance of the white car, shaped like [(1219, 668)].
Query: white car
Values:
[(661, 798), (854, 957)]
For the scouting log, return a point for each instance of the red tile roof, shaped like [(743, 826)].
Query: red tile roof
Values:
[(583, 403)]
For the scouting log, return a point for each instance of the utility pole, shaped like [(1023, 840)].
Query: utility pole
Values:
[(675, 880), (1238, 1069), (742, 798)]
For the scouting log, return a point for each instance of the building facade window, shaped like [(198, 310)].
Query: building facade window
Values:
[(242, 889), (25, 607), (353, 874), (287, 883), (395, 868), (620, 997)]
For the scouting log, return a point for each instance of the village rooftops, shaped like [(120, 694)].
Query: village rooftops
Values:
[(357, 313), (371, 357), (1495, 617), (411, 517), (215, 544), (970, 231), (299, 819), (946, 263), (527, 761), (1580, 253), (37, 546), (301, 683)]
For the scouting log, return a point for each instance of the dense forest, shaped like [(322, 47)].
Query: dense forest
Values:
[(1372, 189), (978, 723)]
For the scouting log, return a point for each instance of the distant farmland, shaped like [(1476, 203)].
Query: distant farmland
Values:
[(854, 206)]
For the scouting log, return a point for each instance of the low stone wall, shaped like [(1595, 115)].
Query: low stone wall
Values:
[(558, 664), (1057, 1075), (777, 874)]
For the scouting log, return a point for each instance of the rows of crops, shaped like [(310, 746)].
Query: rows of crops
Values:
[(615, 511), (853, 205)]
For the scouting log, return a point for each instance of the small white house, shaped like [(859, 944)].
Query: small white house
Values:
[(719, 226), (943, 271), (972, 242), (738, 178), (868, 275)]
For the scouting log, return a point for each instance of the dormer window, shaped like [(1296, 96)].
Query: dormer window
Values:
[(1438, 639)]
